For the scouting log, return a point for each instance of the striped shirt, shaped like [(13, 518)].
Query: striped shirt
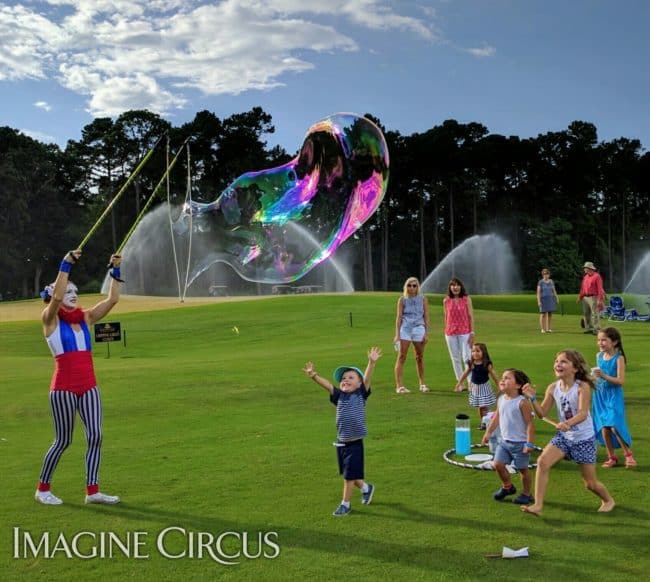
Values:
[(350, 413)]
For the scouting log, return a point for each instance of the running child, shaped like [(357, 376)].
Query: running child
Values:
[(608, 406), (350, 401), (514, 418), (575, 438), (481, 394)]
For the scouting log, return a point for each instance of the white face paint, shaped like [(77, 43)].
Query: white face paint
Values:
[(70, 298)]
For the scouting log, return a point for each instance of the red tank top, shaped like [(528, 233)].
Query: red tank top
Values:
[(457, 316), (72, 351)]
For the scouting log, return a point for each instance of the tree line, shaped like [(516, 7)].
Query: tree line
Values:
[(560, 198)]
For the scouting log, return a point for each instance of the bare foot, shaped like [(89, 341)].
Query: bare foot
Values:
[(532, 509), (458, 389), (606, 506)]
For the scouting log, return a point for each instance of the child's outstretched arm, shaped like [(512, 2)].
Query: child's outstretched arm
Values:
[(527, 413), (459, 385), (493, 375), (311, 372), (373, 355), (541, 410)]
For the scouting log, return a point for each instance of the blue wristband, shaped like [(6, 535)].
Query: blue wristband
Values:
[(530, 445), (533, 398), (65, 267), (115, 274)]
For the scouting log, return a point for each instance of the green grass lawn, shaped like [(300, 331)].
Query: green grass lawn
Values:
[(213, 431)]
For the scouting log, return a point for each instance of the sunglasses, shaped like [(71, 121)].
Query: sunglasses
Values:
[(411, 285)]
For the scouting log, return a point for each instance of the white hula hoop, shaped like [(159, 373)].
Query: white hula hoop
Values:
[(481, 467)]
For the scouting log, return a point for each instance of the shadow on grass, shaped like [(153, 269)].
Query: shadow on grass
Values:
[(431, 555), (424, 556), (619, 511)]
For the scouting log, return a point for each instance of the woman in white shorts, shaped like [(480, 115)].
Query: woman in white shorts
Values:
[(411, 327)]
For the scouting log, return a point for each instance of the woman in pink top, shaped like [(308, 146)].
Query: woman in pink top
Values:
[(459, 325)]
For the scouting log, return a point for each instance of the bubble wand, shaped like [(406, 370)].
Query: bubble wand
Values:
[(151, 198), (551, 422), (119, 193)]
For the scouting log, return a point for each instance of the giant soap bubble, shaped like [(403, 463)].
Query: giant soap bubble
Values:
[(274, 226)]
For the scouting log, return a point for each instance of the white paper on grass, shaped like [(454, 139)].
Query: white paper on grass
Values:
[(510, 553)]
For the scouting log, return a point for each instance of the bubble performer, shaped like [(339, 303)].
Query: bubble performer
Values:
[(73, 389), (275, 225)]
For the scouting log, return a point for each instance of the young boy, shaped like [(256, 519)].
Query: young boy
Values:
[(514, 417), (350, 401)]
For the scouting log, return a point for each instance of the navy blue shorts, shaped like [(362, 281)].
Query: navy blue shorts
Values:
[(582, 452), (350, 459)]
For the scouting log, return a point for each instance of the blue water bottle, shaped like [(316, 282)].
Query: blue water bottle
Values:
[(463, 441)]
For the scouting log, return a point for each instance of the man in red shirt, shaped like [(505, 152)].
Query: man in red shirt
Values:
[(592, 296)]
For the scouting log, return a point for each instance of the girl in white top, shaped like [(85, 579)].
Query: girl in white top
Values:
[(575, 437)]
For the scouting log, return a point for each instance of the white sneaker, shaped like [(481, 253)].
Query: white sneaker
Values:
[(100, 497), (47, 498)]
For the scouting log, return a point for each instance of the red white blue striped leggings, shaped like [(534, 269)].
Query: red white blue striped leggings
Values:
[(64, 407)]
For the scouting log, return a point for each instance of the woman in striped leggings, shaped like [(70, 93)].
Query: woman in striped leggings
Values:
[(74, 388)]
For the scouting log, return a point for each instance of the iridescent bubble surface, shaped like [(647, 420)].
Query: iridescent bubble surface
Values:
[(275, 225)]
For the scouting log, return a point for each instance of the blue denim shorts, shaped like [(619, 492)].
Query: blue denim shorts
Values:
[(412, 332), (508, 451)]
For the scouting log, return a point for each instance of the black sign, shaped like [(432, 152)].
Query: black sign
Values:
[(108, 332)]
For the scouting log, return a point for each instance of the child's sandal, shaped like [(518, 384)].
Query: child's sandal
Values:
[(610, 462), (630, 461), (402, 390), (424, 388)]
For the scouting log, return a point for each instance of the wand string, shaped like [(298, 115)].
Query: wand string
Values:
[(151, 198)]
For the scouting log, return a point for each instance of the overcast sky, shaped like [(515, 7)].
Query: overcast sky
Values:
[(519, 67)]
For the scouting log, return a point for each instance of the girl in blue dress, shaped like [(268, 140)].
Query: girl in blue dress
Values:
[(608, 406)]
